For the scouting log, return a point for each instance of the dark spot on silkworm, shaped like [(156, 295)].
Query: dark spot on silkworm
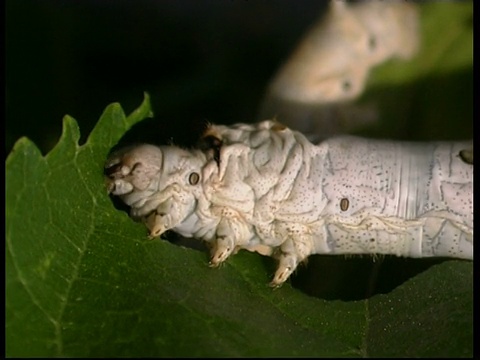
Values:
[(278, 127), (211, 143), (372, 42), (466, 155), (135, 167), (344, 203), (372, 240), (346, 85), (193, 178)]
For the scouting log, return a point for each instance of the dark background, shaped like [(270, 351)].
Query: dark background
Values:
[(199, 60)]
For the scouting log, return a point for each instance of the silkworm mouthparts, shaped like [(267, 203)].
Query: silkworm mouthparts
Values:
[(111, 169), (110, 185)]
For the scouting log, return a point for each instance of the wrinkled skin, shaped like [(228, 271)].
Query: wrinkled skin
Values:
[(169, 188), (266, 188)]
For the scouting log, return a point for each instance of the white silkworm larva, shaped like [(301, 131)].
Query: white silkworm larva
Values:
[(332, 62), (266, 188), (313, 91)]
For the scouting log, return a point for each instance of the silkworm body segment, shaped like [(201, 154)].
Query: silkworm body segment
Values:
[(268, 189)]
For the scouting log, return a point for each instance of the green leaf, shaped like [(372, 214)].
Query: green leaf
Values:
[(429, 316), (82, 280)]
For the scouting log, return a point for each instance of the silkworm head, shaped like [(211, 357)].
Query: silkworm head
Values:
[(156, 180)]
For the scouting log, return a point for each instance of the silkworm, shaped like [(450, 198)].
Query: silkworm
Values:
[(332, 62), (266, 188)]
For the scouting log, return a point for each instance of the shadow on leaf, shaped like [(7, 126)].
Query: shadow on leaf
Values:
[(356, 278)]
